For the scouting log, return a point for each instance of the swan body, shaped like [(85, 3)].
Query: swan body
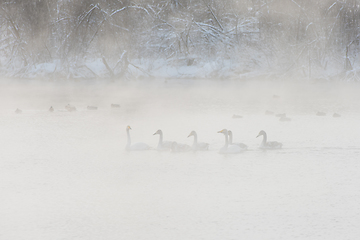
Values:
[(268, 145), (70, 108), (229, 149), (137, 146), (18, 111), (179, 147), (163, 145), (241, 145), (198, 146)]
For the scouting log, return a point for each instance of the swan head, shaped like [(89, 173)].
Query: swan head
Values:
[(128, 128), (193, 133), (229, 132), (261, 133), (224, 131), (158, 132)]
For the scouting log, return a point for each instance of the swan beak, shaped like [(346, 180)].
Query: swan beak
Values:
[(155, 133), (220, 131), (258, 135), (190, 135)]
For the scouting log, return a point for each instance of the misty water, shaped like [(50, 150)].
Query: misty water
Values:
[(66, 175)]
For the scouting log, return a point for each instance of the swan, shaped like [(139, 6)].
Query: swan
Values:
[(242, 145), (70, 108), (179, 147), (137, 146), (229, 148), (320, 114), (163, 145), (51, 109), (268, 145), (198, 145), (18, 111)]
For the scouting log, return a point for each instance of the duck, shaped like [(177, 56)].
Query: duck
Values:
[(236, 116), (70, 108), (284, 119), (198, 146), (163, 145), (267, 112), (179, 147), (137, 146), (320, 114), (241, 145), (91, 108), (229, 149), (280, 115), (268, 145), (114, 105)]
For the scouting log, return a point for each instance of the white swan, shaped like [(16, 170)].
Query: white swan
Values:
[(242, 145), (137, 146), (179, 147), (266, 144), (198, 145), (229, 148), (163, 145)]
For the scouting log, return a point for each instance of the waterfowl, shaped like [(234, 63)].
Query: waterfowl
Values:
[(266, 144), (336, 115), (51, 109), (284, 119), (320, 114), (228, 149), (137, 146), (70, 108), (198, 146), (241, 145), (113, 105), (91, 108), (280, 115), (163, 145), (18, 111), (267, 112), (236, 116)]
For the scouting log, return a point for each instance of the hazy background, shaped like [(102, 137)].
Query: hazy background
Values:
[(180, 39), (66, 175)]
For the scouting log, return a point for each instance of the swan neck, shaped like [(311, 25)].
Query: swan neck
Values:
[(195, 139), (226, 140), (128, 138), (160, 139), (264, 139), (230, 138)]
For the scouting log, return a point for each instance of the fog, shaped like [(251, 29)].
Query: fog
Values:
[(67, 175), (77, 76)]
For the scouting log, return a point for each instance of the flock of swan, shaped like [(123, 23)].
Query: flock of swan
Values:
[(228, 148)]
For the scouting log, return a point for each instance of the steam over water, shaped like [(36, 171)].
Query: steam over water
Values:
[(66, 175)]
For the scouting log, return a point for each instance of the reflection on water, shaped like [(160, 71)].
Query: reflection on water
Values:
[(67, 174)]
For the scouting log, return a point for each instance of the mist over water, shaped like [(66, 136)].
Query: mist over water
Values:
[(66, 175)]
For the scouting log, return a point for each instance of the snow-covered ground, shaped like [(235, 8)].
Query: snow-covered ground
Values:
[(65, 175)]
